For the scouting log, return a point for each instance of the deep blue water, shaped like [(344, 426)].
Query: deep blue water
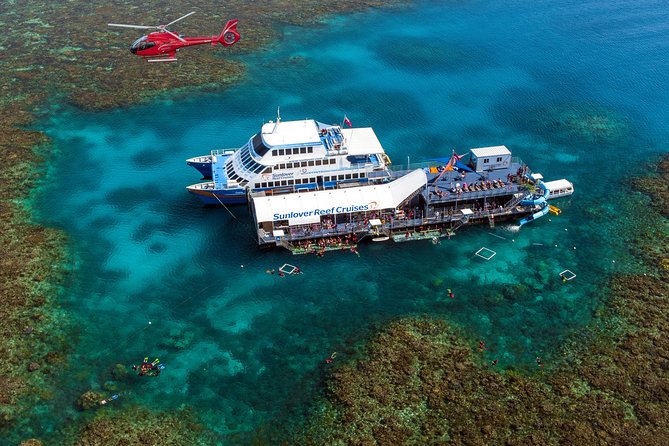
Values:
[(577, 89)]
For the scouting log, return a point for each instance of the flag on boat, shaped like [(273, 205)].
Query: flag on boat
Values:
[(347, 121), (449, 165)]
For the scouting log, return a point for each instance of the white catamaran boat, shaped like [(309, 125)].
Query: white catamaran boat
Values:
[(292, 156)]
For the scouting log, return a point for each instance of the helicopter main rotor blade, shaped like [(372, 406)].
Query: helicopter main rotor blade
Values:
[(180, 18), (130, 26), (172, 34)]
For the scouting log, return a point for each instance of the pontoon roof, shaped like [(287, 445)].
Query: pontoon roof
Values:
[(307, 207), (490, 151)]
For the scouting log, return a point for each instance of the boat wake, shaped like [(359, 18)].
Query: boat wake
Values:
[(512, 228)]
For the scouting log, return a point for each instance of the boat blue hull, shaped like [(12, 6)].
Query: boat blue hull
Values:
[(218, 197), (203, 168)]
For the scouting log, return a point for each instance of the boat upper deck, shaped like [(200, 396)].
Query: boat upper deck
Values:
[(447, 186)]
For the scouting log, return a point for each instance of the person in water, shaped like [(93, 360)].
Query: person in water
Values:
[(481, 346), (148, 368), (450, 294)]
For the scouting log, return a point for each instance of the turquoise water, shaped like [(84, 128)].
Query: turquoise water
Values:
[(578, 90)]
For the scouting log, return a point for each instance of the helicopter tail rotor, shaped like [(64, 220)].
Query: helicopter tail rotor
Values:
[(229, 36)]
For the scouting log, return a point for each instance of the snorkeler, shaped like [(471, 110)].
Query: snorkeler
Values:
[(481, 346), (539, 363), (149, 368), (450, 294), (331, 358)]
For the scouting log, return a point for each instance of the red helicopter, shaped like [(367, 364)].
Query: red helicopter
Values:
[(162, 45)]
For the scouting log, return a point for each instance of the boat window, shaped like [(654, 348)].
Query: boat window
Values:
[(355, 175), (283, 183), (310, 150), (362, 174), (257, 185), (258, 147), (318, 162), (311, 163), (281, 151), (485, 160), (282, 166), (263, 184), (356, 159), (303, 150), (333, 161), (303, 164), (499, 159), (348, 176), (267, 170)]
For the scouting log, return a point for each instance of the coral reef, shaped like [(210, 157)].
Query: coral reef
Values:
[(421, 382), (89, 400), (137, 425), (119, 372)]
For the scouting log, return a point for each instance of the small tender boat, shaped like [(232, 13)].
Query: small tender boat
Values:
[(381, 238)]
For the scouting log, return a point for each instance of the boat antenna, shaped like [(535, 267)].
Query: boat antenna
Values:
[(278, 117)]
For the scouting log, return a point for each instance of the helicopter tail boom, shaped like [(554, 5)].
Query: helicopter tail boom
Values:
[(229, 35)]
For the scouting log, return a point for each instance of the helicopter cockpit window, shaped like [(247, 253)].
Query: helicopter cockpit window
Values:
[(140, 44)]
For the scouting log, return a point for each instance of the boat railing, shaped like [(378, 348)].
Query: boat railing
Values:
[(223, 151), (509, 188), (210, 185), (413, 166), (378, 174)]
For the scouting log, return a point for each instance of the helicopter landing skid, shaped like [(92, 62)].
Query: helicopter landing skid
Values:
[(162, 59)]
